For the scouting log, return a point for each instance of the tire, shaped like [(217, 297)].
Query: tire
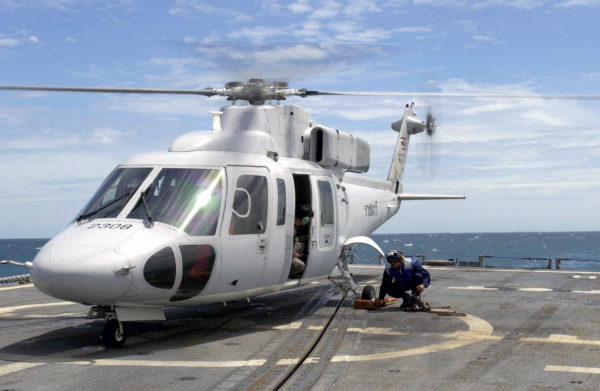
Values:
[(368, 293), (111, 336)]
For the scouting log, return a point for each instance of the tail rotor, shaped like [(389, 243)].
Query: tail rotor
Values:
[(429, 150)]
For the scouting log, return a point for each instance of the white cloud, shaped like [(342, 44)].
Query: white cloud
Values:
[(358, 8), (71, 40), (64, 5), (60, 140), (328, 9), (413, 29), (351, 31), (300, 7), (169, 106), (520, 4), (453, 3), (256, 33), (185, 8), (9, 116), (579, 3), (293, 53), (310, 29), (8, 42), (487, 37), (367, 36), (105, 136)]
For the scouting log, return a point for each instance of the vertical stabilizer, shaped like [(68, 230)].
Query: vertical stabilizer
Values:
[(405, 127)]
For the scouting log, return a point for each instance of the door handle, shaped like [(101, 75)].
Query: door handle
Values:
[(262, 245)]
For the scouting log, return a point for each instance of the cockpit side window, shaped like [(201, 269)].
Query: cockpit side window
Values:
[(189, 199), (114, 193), (250, 206)]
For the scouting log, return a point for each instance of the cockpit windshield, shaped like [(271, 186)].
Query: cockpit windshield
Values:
[(114, 193), (189, 199)]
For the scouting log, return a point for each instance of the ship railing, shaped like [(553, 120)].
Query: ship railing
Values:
[(538, 262), (20, 279)]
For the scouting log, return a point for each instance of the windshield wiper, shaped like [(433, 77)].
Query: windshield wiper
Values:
[(143, 198), (90, 214)]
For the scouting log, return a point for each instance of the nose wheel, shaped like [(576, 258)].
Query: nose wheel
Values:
[(114, 334)]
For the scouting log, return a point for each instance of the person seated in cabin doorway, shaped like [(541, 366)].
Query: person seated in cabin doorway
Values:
[(302, 218), (402, 275)]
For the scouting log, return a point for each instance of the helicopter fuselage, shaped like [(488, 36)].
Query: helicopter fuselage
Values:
[(226, 232)]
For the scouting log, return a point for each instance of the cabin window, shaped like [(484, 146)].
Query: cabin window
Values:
[(114, 192), (198, 262), (189, 199), (280, 201), (325, 202), (159, 270), (250, 205)]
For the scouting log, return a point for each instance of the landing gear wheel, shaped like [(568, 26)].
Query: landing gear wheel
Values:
[(368, 293), (113, 335)]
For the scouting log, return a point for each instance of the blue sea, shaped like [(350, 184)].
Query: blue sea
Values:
[(578, 250)]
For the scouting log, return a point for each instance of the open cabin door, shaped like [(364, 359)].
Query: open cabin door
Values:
[(323, 254)]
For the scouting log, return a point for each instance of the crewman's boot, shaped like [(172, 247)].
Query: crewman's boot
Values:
[(417, 304), (406, 300)]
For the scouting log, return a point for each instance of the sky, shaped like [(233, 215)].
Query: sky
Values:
[(524, 165)]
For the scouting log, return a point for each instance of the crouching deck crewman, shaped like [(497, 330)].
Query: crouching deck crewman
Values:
[(401, 275)]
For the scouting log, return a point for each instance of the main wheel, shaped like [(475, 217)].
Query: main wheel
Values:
[(112, 336), (368, 293)]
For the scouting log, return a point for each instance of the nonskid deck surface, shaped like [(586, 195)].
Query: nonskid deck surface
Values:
[(523, 330)]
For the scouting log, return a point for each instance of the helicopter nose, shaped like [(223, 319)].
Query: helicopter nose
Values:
[(84, 274)]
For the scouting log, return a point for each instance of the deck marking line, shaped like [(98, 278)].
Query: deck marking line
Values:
[(560, 338), (479, 330), (287, 361), (577, 276), (189, 364), (592, 277), (16, 367), (7, 310), (16, 287), (375, 331), (473, 288), (593, 292), (535, 289), (564, 368), (289, 326)]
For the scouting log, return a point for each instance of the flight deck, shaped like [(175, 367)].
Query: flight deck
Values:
[(521, 330)]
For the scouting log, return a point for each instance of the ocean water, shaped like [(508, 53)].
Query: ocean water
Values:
[(579, 250), (21, 250)]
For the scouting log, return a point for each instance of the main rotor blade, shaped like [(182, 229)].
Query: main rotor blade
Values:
[(205, 92), (281, 93), (455, 95)]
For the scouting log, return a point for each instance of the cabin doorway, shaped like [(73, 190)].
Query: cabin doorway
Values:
[(301, 242)]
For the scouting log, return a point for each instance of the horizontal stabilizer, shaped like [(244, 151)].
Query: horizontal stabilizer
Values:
[(413, 196)]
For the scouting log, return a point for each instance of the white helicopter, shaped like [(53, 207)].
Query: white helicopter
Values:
[(212, 219)]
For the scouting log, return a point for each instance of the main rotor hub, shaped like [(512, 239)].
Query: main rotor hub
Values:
[(257, 91)]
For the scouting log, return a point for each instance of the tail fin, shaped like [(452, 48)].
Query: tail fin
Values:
[(406, 127)]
